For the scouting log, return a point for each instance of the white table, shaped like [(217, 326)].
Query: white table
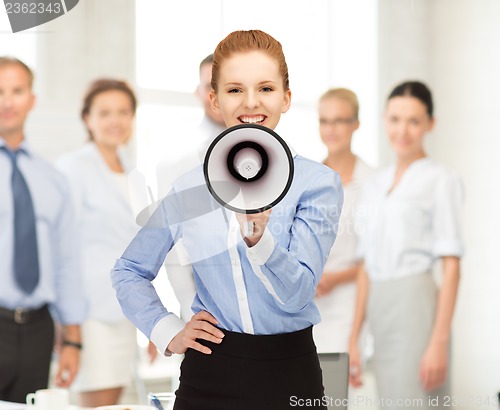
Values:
[(5, 405)]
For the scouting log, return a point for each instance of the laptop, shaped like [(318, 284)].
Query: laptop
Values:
[(335, 368)]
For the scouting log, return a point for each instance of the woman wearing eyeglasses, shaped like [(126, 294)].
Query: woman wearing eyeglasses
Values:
[(338, 110)]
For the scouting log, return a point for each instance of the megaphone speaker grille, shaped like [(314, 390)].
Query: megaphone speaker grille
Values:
[(253, 159), (259, 164)]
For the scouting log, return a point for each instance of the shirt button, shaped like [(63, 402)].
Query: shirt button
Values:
[(235, 262), (242, 297)]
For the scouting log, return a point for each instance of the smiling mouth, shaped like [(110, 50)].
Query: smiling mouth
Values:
[(7, 114), (252, 119)]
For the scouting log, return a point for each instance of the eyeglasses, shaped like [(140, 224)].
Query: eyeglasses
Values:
[(336, 121)]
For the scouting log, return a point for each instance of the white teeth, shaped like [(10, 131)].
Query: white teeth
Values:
[(252, 120)]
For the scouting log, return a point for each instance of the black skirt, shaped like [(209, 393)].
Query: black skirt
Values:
[(252, 372)]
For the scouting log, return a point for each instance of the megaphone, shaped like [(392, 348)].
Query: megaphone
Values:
[(253, 160)]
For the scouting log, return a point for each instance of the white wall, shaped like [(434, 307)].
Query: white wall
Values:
[(403, 52), (453, 45), (94, 39), (465, 67)]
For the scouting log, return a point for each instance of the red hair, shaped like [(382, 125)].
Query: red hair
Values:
[(244, 41)]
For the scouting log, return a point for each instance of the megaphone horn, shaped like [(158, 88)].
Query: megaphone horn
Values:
[(247, 161), (252, 159)]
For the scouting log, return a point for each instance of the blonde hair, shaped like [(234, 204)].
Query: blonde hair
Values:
[(345, 95), (251, 40)]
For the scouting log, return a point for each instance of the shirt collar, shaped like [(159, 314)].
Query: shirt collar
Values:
[(24, 147)]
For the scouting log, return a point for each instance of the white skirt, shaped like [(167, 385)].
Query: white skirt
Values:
[(108, 356), (331, 335), (401, 316)]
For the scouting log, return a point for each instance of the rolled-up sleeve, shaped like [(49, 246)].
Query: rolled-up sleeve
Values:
[(70, 302), (293, 272), (448, 204)]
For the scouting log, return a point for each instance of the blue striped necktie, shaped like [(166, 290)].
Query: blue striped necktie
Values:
[(26, 268)]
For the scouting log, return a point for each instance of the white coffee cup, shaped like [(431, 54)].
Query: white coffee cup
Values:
[(48, 399)]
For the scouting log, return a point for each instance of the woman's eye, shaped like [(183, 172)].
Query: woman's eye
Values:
[(266, 89), (234, 90)]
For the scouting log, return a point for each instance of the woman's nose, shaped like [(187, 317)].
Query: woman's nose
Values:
[(251, 100)]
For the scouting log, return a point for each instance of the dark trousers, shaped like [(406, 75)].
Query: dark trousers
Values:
[(248, 372), (25, 354)]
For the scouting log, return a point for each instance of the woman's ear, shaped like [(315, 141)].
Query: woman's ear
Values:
[(286, 101), (432, 124), (85, 119), (33, 101), (214, 102)]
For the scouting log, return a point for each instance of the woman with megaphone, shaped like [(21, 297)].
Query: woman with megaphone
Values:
[(249, 344)]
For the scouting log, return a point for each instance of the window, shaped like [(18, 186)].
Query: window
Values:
[(327, 43), (20, 45)]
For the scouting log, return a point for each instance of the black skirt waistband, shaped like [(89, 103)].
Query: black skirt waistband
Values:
[(264, 347)]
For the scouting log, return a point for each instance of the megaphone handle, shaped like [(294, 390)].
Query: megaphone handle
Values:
[(248, 229)]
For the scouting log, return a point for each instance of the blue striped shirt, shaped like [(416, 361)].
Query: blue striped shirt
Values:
[(266, 289)]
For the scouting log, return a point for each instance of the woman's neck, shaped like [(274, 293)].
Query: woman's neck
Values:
[(343, 163), (110, 156), (402, 163)]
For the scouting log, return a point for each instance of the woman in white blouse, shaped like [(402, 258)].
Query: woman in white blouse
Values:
[(338, 111), (98, 175), (410, 214)]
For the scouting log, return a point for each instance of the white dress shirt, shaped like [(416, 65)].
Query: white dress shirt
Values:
[(266, 289), (179, 270), (337, 307), (404, 231), (60, 275), (107, 224)]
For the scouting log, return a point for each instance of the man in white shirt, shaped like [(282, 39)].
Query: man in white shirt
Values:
[(209, 127), (212, 123), (39, 253), (178, 268)]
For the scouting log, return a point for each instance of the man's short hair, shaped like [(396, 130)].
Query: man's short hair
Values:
[(207, 60), (6, 61)]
